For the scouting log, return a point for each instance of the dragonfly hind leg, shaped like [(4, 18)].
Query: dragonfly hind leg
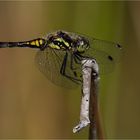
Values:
[(63, 71)]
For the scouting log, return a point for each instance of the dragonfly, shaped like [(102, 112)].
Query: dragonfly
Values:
[(60, 54)]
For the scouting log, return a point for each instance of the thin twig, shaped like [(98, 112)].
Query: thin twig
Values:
[(95, 128)]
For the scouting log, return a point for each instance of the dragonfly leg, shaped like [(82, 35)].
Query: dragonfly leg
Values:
[(75, 69), (76, 59), (71, 62), (63, 70)]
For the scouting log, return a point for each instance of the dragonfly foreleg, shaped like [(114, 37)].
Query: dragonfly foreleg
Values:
[(75, 59), (63, 70)]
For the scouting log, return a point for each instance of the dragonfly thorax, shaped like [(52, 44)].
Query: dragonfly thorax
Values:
[(62, 40), (59, 44)]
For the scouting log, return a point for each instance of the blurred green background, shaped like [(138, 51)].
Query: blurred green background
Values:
[(31, 106)]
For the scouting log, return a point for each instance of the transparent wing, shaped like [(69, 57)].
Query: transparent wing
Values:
[(106, 54), (49, 62)]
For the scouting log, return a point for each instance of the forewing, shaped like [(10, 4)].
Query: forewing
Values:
[(49, 62)]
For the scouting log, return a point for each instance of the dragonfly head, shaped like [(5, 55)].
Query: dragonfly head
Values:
[(82, 44)]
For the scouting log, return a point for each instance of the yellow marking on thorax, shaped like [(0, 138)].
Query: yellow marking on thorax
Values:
[(67, 44), (60, 39), (53, 46)]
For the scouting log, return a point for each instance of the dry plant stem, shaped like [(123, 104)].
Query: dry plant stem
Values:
[(89, 70), (84, 111)]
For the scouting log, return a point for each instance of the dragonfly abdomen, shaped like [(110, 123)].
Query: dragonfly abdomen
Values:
[(7, 44), (36, 43)]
